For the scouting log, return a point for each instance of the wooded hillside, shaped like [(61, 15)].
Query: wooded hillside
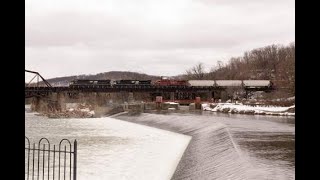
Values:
[(274, 62)]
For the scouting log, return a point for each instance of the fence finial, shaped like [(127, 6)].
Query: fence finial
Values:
[(46, 169)]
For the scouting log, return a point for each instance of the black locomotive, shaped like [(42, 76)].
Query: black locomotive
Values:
[(132, 82), (85, 83)]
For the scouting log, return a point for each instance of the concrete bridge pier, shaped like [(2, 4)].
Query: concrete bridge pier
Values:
[(38, 104), (130, 97), (53, 102), (198, 102), (158, 102), (61, 101), (172, 96), (123, 96), (92, 99), (101, 99)]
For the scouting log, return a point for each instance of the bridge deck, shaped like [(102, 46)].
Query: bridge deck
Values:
[(43, 91), (139, 88)]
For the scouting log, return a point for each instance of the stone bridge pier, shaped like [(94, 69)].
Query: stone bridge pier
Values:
[(51, 103), (57, 102)]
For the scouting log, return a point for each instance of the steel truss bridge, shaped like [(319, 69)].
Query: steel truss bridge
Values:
[(44, 88)]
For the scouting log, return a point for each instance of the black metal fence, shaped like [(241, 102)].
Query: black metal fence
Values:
[(45, 161)]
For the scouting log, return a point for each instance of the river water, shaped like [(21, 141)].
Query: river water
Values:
[(222, 146), (107, 149), (245, 147)]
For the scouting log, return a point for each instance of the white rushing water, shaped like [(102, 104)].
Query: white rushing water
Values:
[(211, 153), (176, 146), (114, 149), (228, 147)]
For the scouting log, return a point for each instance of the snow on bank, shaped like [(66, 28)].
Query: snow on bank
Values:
[(74, 110), (171, 103), (285, 99), (84, 110), (245, 109)]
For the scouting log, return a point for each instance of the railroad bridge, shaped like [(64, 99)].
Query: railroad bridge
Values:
[(42, 90)]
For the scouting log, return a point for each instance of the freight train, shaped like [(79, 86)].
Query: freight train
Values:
[(85, 83), (171, 83)]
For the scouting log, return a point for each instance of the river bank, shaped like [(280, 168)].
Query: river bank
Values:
[(85, 110), (247, 109)]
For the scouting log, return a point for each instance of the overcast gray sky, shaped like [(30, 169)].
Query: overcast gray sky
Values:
[(157, 37)]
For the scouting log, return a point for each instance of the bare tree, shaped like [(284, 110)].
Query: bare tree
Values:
[(197, 72), (274, 62), (220, 64)]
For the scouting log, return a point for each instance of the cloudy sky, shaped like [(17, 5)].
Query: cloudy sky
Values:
[(157, 37)]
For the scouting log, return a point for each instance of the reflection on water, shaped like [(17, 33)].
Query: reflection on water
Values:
[(265, 144)]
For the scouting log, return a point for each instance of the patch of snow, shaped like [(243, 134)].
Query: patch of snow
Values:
[(171, 103), (293, 106), (91, 113), (85, 110), (72, 105), (245, 109), (291, 98)]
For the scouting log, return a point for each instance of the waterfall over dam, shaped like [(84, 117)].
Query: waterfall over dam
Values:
[(211, 153)]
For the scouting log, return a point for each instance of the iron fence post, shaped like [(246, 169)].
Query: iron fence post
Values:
[(75, 160)]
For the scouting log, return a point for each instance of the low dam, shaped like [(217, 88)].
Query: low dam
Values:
[(214, 152)]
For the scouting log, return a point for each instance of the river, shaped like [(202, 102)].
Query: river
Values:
[(247, 147), (222, 146)]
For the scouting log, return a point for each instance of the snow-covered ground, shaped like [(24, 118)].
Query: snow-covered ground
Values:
[(171, 103), (245, 109)]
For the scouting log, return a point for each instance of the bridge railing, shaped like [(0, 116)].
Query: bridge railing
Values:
[(44, 161)]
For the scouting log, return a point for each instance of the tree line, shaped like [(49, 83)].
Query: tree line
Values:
[(273, 62)]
